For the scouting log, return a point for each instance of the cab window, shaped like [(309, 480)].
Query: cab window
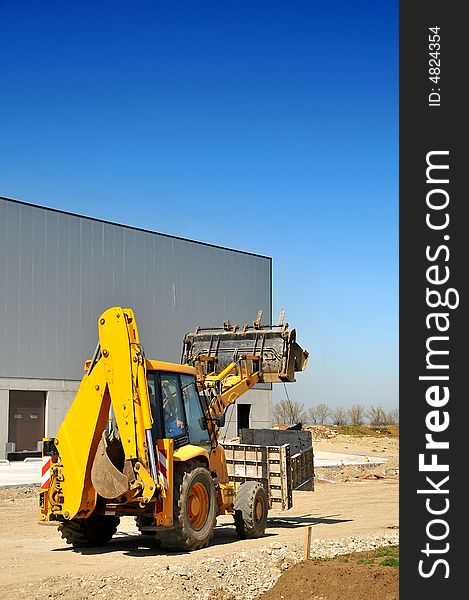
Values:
[(196, 424), (174, 419)]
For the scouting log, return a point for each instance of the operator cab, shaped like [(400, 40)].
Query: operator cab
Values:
[(177, 408)]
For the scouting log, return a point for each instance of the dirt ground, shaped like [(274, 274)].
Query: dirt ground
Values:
[(358, 576), (349, 505)]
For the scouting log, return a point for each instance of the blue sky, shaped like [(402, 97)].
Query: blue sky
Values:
[(271, 127)]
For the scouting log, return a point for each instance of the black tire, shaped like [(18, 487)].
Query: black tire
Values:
[(251, 507), (192, 530), (143, 522), (97, 530), (147, 527)]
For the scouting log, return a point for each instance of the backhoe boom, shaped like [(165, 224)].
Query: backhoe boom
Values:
[(117, 378)]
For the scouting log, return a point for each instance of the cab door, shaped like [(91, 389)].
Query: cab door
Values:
[(176, 409), (196, 422)]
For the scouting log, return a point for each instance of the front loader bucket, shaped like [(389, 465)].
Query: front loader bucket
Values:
[(273, 350)]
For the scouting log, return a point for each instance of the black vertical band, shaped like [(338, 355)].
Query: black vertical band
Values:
[(433, 273)]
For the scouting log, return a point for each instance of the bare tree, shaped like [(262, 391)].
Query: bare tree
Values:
[(318, 414), (392, 417), (377, 416), (339, 416), (289, 412), (356, 414), (324, 412)]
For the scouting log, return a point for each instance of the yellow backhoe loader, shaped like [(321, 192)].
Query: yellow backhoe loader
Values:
[(141, 436)]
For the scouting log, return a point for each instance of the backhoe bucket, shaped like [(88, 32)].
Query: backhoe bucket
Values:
[(272, 349), (107, 480)]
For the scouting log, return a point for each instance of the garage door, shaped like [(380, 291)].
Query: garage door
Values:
[(26, 419)]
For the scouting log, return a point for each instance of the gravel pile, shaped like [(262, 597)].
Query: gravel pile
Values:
[(241, 576), (16, 493), (388, 470), (319, 432)]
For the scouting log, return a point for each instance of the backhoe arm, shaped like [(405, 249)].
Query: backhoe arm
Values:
[(126, 378), (116, 376)]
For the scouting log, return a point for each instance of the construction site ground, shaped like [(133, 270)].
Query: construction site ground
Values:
[(353, 509)]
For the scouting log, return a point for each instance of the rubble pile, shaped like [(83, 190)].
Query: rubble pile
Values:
[(241, 576), (320, 432)]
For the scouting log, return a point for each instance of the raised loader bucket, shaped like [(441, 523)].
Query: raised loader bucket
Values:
[(272, 349)]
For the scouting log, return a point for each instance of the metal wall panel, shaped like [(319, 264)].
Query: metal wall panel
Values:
[(59, 272)]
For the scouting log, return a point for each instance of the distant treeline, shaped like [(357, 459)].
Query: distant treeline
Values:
[(291, 412)]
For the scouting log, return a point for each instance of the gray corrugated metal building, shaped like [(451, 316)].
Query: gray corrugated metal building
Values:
[(60, 271)]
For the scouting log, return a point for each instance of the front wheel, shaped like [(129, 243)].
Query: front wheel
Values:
[(195, 508), (250, 510)]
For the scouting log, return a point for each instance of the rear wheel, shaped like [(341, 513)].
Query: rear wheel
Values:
[(195, 508), (146, 525), (251, 507), (97, 530)]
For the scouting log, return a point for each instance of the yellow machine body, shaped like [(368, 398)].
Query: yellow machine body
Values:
[(111, 455)]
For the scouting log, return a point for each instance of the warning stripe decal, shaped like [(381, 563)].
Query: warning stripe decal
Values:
[(45, 474), (162, 458), (162, 467)]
